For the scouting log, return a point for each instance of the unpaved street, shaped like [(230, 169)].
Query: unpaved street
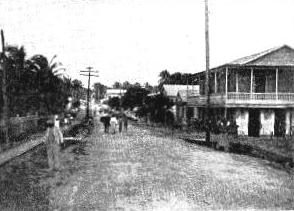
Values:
[(141, 170)]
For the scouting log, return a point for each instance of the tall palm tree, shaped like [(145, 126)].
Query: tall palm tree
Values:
[(77, 89), (164, 78), (53, 86), (41, 63), (15, 59)]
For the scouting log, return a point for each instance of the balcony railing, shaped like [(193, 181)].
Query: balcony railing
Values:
[(240, 98), (260, 96)]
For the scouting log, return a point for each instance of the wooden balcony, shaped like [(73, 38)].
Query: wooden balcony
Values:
[(239, 99)]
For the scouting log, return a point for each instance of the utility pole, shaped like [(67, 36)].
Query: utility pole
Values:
[(89, 72), (207, 81), (4, 90)]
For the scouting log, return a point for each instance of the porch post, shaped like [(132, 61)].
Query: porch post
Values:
[(226, 92), (251, 83), (277, 80), (237, 82), (215, 83), (226, 88)]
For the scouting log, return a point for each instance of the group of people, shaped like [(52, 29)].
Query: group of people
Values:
[(112, 121), (54, 137)]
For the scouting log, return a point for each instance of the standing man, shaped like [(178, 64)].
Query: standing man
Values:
[(120, 122), (53, 139), (113, 123), (125, 121), (105, 119)]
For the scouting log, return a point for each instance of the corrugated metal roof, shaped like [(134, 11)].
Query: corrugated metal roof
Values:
[(284, 55), (171, 90), (115, 91), (184, 93)]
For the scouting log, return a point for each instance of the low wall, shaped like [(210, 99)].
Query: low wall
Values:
[(18, 125)]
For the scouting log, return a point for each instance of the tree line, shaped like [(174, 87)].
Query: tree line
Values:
[(36, 84), (149, 101), (176, 78)]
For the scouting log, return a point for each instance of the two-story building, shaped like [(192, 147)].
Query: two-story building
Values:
[(178, 95), (183, 111), (257, 92)]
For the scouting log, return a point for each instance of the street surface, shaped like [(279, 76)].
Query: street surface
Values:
[(143, 170)]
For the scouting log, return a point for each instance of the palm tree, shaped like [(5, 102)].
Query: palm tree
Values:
[(164, 78), (77, 89), (41, 63), (15, 59), (53, 86)]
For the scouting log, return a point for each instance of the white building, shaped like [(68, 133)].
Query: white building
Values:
[(110, 93)]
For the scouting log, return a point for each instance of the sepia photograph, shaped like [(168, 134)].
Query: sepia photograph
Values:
[(146, 105)]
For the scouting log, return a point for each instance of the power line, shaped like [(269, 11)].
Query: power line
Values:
[(207, 81), (91, 73), (5, 108)]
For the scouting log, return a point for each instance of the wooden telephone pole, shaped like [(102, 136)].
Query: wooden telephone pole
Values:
[(4, 90), (207, 81), (89, 72)]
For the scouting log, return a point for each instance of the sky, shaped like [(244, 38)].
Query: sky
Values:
[(134, 40)]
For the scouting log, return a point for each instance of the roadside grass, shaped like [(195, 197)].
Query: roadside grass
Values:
[(274, 149)]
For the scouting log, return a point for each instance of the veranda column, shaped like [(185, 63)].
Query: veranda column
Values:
[(237, 82), (226, 88), (277, 80), (215, 83), (226, 91), (251, 83)]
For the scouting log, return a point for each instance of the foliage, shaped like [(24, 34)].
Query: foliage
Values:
[(148, 87), (117, 85), (156, 108), (126, 85), (100, 91), (114, 102), (134, 97), (35, 84), (176, 78)]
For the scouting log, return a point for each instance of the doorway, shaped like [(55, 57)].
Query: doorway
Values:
[(260, 80), (254, 122), (280, 126)]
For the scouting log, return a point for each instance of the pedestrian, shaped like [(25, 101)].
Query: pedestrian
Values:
[(120, 123), (106, 122), (113, 123), (125, 121), (53, 139)]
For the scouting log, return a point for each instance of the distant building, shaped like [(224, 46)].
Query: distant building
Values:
[(184, 112), (257, 92), (110, 93), (171, 90), (178, 94)]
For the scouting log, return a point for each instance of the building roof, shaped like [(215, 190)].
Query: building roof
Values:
[(171, 90), (278, 56), (183, 94), (153, 94), (115, 91)]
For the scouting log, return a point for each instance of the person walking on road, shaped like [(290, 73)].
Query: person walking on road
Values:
[(106, 122), (120, 123), (113, 123), (125, 121), (53, 139)]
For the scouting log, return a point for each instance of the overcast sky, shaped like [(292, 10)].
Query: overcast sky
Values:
[(136, 39)]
